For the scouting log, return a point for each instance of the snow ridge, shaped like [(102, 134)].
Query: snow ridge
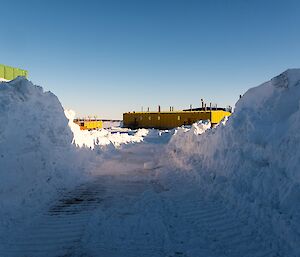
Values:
[(36, 155), (253, 161)]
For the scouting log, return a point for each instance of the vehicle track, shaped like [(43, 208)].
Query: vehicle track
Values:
[(210, 229), (59, 230), (117, 216)]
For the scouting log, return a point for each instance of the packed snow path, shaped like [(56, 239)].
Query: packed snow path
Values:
[(131, 212), (120, 216), (59, 229)]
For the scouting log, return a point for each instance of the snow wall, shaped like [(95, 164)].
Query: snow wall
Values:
[(36, 155), (253, 160), (42, 151)]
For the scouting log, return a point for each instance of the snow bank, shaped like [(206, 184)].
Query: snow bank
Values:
[(36, 155), (253, 160), (103, 137)]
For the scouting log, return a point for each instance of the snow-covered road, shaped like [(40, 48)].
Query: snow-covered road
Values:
[(231, 191), (131, 213)]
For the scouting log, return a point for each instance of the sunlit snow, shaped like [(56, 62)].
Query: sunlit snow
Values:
[(232, 190)]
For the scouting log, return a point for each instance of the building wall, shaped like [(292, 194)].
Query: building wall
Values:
[(169, 120), (89, 124), (10, 73)]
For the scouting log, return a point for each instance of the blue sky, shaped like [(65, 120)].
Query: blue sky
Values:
[(107, 57)]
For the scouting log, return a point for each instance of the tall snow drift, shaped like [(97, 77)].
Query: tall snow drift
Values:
[(254, 160), (36, 154)]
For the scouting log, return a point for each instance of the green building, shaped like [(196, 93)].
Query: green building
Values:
[(10, 73)]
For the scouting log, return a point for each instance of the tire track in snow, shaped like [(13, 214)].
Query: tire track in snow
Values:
[(115, 216), (58, 232), (204, 228), (132, 225), (61, 231)]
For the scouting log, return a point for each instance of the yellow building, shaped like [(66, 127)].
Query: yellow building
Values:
[(89, 124), (172, 119)]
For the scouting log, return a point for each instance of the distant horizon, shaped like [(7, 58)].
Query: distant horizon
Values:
[(109, 57)]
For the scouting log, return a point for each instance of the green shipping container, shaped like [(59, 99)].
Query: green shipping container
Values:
[(10, 73), (2, 72)]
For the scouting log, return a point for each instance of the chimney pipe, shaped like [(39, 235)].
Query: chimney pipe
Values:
[(159, 108)]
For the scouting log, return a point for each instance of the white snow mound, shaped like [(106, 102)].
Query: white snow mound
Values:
[(253, 160), (36, 154), (103, 137)]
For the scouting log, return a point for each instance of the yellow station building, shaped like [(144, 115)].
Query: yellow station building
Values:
[(87, 124), (172, 119)]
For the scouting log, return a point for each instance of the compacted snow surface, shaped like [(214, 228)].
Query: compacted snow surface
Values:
[(194, 191)]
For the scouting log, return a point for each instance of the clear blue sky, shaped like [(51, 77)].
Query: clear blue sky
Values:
[(108, 57)]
